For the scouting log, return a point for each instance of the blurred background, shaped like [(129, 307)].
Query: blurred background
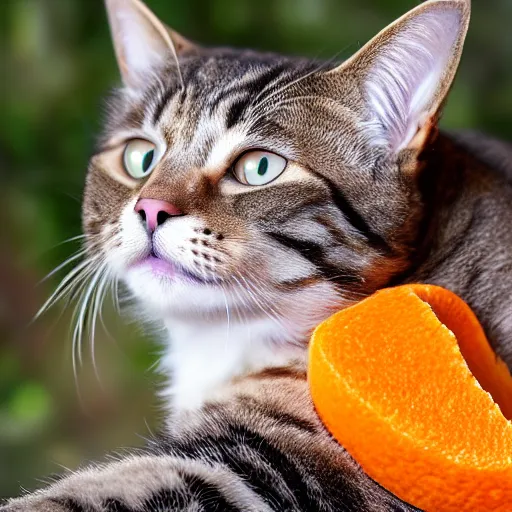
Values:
[(56, 63)]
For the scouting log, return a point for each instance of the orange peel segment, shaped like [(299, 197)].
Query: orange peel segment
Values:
[(407, 382)]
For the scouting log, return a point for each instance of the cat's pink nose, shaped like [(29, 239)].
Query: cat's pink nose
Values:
[(155, 212)]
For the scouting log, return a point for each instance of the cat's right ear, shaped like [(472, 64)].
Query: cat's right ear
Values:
[(142, 42), (406, 71)]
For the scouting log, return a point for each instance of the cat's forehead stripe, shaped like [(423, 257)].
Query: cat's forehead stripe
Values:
[(218, 103)]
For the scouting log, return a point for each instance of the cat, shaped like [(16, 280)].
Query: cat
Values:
[(244, 197)]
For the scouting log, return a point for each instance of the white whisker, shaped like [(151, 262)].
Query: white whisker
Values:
[(84, 303), (228, 319), (249, 289), (63, 287), (65, 263), (114, 290), (286, 86), (97, 304), (241, 310)]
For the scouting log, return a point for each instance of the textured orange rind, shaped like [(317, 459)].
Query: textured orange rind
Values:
[(406, 381)]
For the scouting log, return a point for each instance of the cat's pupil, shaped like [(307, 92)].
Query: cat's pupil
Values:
[(147, 160), (263, 166)]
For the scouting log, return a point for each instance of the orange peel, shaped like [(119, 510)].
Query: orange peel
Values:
[(407, 382)]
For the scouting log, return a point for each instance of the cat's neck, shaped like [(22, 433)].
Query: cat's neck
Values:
[(202, 358)]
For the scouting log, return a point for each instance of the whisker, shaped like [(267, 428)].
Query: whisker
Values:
[(59, 244), (259, 107), (240, 310), (261, 291), (228, 318), (256, 300), (102, 321), (65, 263), (178, 68), (69, 240), (79, 291), (86, 284), (264, 102), (97, 302), (114, 290), (84, 303), (64, 286)]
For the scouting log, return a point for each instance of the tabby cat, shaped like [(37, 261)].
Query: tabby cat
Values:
[(242, 198)]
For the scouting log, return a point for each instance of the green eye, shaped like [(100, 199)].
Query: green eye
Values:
[(139, 158), (259, 167)]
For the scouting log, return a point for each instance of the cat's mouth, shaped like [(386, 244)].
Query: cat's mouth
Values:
[(170, 270)]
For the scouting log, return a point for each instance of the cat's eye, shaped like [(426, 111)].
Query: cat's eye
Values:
[(258, 167), (139, 158)]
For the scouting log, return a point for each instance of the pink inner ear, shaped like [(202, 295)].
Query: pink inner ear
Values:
[(141, 48), (404, 82), (139, 39)]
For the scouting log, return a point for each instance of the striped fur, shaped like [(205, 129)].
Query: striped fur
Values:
[(372, 196), (277, 459)]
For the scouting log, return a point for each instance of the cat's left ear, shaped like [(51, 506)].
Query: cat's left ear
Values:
[(142, 42), (406, 71)]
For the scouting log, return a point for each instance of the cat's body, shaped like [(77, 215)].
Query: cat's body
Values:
[(371, 195), (469, 241), (261, 446)]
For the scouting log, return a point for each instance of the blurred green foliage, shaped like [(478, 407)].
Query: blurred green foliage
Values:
[(56, 62)]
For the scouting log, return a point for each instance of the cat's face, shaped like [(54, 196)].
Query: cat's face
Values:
[(256, 183), (281, 231)]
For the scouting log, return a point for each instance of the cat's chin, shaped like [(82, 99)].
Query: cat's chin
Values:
[(167, 291)]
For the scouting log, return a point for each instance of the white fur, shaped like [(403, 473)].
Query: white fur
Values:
[(134, 245), (201, 358)]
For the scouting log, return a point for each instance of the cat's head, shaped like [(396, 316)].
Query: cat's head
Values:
[(270, 186)]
